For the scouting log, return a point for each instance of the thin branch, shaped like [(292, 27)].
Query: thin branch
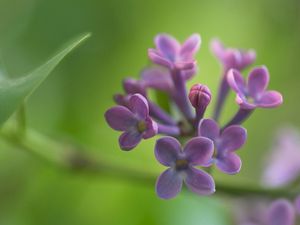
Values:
[(70, 158)]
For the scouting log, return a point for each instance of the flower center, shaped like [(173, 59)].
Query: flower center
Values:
[(141, 126), (181, 164), (251, 100)]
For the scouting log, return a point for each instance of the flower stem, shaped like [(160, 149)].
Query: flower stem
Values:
[(239, 117), (222, 95), (160, 114), (168, 130), (69, 158), (179, 95)]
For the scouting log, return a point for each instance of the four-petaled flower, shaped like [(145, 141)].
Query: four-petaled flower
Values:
[(171, 54), (253, 94), (231, 57), (134, 121), (197, 152), (226, 143)]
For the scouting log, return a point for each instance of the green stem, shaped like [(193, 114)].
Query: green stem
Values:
[(21, 119), (70, 158)]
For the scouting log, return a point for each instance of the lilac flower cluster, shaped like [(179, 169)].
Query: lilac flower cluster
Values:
[(208, 142)]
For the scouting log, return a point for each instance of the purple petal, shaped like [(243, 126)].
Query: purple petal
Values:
[(151, 129), (120, 118), (281, 212), (186, 65), (248, 57), (230, 163), (209, 128), (168, 184), (157, 58), (199, 182), (236, 81), (270, 99), (190, 47), (258, 81), (217, 48), (167, 46), (232, 58), (132, 86), (282, 166), (139, 106), (122, 100), (129, 139), (157, 78), (167, 150), (233, 138), (188, 74), (199, 151)]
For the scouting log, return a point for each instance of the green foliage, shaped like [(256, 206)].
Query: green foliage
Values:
[(14, 91)]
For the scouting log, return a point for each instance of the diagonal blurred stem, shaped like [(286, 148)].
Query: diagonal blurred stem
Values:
[(70, 158)]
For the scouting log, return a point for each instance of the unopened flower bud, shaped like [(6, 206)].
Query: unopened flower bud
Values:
[(200, 96)]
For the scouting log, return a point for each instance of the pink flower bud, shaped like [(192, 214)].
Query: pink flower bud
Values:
[(200, 96)]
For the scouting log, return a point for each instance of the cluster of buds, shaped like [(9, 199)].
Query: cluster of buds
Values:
[(207, 142)]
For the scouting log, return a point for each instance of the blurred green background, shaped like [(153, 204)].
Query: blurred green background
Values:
[(71, 103)]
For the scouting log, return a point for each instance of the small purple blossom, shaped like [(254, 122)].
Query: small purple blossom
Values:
[(253, 94), (282, 165), (232, 58), (171, 54), (134, 121), (197, 152), (226, 142), (281, 212)]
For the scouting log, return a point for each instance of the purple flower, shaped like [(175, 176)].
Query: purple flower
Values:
[(226, 143), (171, 54), (197, 152), (253, 94), (282, 165), (231, 57), (281, 212), (134, 121)]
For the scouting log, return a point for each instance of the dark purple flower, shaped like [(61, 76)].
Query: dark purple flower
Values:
[(171, 54), (282, 165), (197, 152), (253, 93), (226, 143), (281, 212), (232, 57), (134, 121)]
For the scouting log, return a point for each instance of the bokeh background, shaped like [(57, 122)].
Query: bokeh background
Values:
[(71, 103)]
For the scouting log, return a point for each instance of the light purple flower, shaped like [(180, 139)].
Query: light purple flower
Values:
[(253, 93), (232, 58), (281, 212), (226, 143), (171, 54), (197, 152), (134, 121), (282, 165)]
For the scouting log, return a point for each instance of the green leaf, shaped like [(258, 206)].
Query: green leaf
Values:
[(14, 91)]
